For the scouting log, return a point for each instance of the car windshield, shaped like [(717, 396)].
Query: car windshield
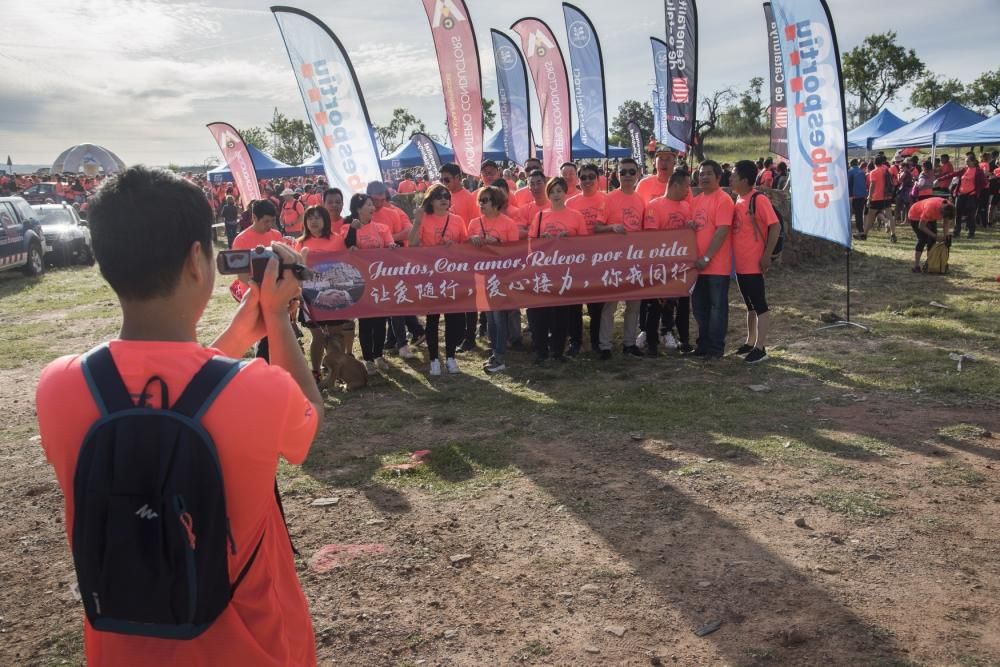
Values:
[(56, 216)]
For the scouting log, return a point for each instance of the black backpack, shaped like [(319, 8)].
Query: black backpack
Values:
[(752, 210), (150, 530)]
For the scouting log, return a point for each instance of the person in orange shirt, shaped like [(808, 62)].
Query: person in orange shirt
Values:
[(971, 183), (518, 216), (713, 212), (388, 214), (465, 206), (880, 185), (291, 212), (550, 324), (363, 233), (333, 202), (568, 170), (319, 237), (923, 217), (164, 286), (539, 201), (945, 171), (488, 172), (591, 203), (494, 228), (436, 225), (755, 234), (407, 186), (625, 211), (655, 185), (526, 195), (670, 212)]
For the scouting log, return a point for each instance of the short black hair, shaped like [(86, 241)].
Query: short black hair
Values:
[(569, 164), (502, 184), (143, 223), (854, 162), (264, 207), (628, 160), (589, 166), (489, 163), (332, 191), (679, 176), (746, 170), (714, 166), (536, 172), (451, 169)]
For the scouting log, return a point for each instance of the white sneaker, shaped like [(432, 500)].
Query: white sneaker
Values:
[(640, 340), (435, 367), (382, 364), (406, 353), (452, 365), (669, 341), (495, 367), (370, 367)]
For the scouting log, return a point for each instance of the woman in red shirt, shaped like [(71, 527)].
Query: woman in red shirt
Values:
[(435, 225), (363, 234)]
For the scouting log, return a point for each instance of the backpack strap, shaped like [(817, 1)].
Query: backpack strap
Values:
[(205, 386), (105, 382), (752, 210)]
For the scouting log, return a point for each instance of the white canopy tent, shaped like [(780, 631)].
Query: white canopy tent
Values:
[(89, 158)]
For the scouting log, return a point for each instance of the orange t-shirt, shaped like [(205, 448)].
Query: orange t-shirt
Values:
[(314, 199), (518, 215), (406, 187), (967, 184), (592, 208), (556, 222), (500, 227), (625, 209), (750, 236), (711, 211), (665, 213), (531, 210), (290, 213), (336, 225), (248, 239), (926, 210), (392, 217), (260, 415), (422, 185), (877, 179), (464, 204), (650, 188), (372, 235), (434, 229), (335, 243)]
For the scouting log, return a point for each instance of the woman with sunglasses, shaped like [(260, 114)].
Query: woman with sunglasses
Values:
[(318, 237), (555, 222), (494, 228), (363, 234), (435, 225)]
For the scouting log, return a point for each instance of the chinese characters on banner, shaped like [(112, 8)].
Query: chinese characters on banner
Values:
[(527, 274)]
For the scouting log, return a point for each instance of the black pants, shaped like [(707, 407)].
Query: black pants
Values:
[(966, 208), (924, 240), (858, 211), (263, 350), (371, 337), (594, 312), (677, 315), (548, 329), (575, 333), (470, 323), (454, 330)]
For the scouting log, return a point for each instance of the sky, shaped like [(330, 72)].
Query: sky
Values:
[(144, 77)]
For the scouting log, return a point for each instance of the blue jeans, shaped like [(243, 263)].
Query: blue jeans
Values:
[(496, 324), (710, 305)]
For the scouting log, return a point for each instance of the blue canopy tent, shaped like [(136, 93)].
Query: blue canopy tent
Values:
[(923, 131), (882, 123), (265, 166), (581, 151), (980, 134), (494, 148), (408, 155)]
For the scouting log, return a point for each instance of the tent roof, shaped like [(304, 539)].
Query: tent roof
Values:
[(921, 132), (583, 152), (265, 166), (986, 132), (882, 123), (75, 157), (408, 155)]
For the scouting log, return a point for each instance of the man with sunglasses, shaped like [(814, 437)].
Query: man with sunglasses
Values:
[(625, 211)]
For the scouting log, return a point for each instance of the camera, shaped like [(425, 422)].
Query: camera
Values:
[(254, 262)]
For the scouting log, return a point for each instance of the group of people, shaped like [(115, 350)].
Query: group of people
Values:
[(732, 237)]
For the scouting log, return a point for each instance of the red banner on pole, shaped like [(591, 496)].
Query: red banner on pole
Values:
[(527, 274), (237, 159)]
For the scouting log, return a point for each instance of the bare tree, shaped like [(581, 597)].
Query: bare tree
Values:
[(713, 107)]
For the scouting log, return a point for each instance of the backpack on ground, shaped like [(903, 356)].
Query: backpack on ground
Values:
[(151, 535), (752, 210), (937, 258)]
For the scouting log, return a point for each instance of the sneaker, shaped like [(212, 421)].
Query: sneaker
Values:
[(631, 351), (406, 353), (435, 367), (495, 367), (419, 340), (756, 356), (382, 364), (640, 340), (467, 346), (892, 238), (490, 361), (669, 341), (694, 352), (605, 355), (573, 351), (685, 348), (452, 365), (370, 367), (743, 349)]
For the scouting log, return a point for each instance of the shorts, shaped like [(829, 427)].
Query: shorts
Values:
[(752, 289), (880, 205)]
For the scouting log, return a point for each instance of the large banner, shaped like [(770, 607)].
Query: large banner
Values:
[(682, 57), (817, 135), (238, 159), (587, 66), (429, 154), (527, 274), (661, 74), (548, 71), (778, 112), (636, 140), (458, 60), (333, 100), (512, 94)]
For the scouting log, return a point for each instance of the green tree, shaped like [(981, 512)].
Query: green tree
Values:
[(398, 130), (749, 114), (640, 112), (489, 114), (292, 141), (258, 137), (933, 91), (984, 92), (877, 70)]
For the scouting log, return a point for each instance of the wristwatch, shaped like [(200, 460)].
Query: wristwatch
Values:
[(706, 259)]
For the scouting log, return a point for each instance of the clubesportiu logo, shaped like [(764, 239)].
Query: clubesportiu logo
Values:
[(446, 14), (817, 106)]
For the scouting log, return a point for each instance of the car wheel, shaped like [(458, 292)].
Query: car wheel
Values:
[(87, 256), (36, 261)]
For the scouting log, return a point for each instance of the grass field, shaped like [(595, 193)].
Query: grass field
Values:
[(650, 496)]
